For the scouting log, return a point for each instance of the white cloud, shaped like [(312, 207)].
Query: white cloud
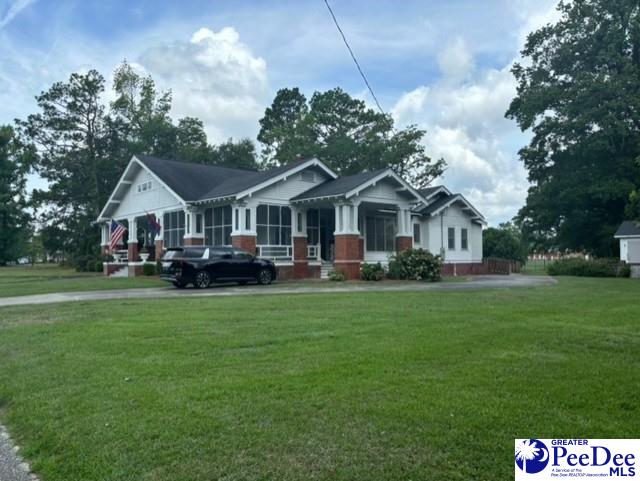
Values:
[(456, 61), (214, 77), (465, 124), (12, 11)]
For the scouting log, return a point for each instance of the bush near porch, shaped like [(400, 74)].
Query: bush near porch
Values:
[(416, 265)]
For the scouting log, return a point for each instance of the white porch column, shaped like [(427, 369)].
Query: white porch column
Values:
[(346, 218), (404, 222), (193, 226), (132, 231), (243, 219)]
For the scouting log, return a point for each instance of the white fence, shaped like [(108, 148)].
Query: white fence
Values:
[(275, 253)]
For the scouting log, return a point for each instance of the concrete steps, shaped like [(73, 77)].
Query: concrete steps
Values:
[(121, 272), (325, 268)]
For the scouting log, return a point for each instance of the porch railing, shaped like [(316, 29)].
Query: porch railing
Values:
[(313, 252), (275, 253)]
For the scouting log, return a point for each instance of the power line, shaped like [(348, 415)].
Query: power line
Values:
[(364, 77)]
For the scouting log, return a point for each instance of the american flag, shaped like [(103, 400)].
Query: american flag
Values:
[(117, 231)]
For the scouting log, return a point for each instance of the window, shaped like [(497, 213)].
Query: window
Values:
[(144, 186), (198, 223), (416, 233), (173, 229), (464, 239), (307, 176), (299, 226), (217, 226), (313, 227), (247, 219), (381, 234), (273, 224), (451, 238)]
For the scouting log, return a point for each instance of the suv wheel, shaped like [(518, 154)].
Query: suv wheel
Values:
[(202, 280), (264, 277)]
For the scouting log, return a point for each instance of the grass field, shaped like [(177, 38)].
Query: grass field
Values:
[(368, 386), (44, 278)]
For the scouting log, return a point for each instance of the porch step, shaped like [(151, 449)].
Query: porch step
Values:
[(121, 272), (325, 268)]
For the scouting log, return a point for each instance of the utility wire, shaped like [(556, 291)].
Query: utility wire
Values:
[(364, 77)]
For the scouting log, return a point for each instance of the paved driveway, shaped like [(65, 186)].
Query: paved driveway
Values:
[(479, 282)]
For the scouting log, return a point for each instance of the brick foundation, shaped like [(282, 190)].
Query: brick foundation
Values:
[(135, 271), (132, 252), (347, 255), (361, 249), (403, 243), (300, 261), (288, 273), (245, 242), (193, 241), (465, 269)]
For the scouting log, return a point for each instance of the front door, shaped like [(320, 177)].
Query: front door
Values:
[(327, 240)]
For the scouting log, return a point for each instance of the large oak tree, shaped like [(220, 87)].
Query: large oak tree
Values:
[(579, 94)]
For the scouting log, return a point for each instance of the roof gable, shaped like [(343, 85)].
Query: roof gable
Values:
[(628, 228), (442, 203)]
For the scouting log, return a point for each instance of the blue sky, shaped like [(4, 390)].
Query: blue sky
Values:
[(443, 65)]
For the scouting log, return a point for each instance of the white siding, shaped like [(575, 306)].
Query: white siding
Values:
[(281, 192), (383, 192), (623, 249), (438, 237), (139, 203), (633, 251)]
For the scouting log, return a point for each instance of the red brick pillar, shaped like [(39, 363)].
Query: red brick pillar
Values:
[(347, 253), (245, 242), (361, 248), (104, 250), (300, 260), (193, 241), (403, 243), (132, 251), (159, 249)]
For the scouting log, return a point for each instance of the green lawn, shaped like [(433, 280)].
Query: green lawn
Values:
[(366, 386), (42, 279)]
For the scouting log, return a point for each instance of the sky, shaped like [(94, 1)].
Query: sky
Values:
[(443, 65)]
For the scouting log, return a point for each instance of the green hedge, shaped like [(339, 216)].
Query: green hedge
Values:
[(415, 264), (337, 276), (588, 268), (372, 272), (149, 269)]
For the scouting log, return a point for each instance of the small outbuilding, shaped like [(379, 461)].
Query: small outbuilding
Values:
[(629, 235)]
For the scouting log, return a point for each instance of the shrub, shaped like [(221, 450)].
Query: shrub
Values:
[(98, 266), (624, 271), (372, 272), (587, 268), (336, 276), (82, 264), (149, 269), (415, 264)]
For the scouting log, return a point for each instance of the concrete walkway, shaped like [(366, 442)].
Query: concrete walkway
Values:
[(12, 467), (478, 282)]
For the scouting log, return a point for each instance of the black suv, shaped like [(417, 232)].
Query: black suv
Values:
[(203, 265)]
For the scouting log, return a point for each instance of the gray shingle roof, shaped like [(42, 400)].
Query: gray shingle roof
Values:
[(195, 182), (427, 191), (434, 206), (339, 186), (628, 228)]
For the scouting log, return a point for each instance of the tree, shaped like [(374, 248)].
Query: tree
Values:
[(14, 218), (239, 155), (579, 94), (504, 242), (347, 135), (69, 137)]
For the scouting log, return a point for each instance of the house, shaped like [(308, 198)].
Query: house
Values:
[(301, 215), (629, 235)]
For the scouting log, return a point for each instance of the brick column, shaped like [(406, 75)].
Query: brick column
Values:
[(132, 251), (159, 249), (193, 241), (403, 243), (347, 253), (245, 242), (300, 260)]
